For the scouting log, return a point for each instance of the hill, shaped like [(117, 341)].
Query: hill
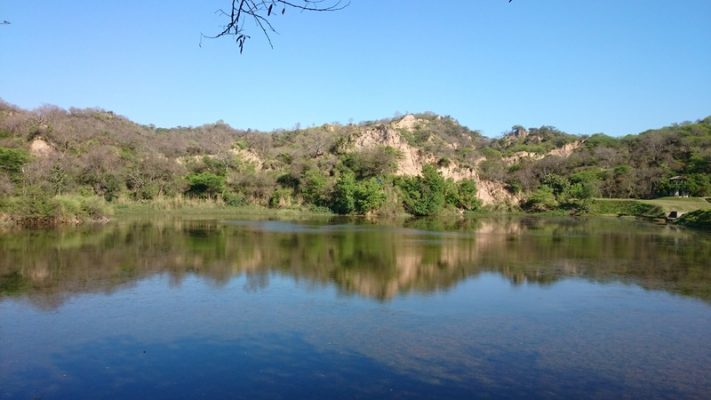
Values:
[(419, 163)]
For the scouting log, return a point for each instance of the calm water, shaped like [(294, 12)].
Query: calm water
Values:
[(511, 308)]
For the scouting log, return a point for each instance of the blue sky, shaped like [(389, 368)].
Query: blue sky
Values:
[(584, 66)]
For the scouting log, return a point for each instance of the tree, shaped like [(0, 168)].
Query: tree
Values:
[(206, 185), (543, 199), (369, 195), (464, 196), (378, 161), (424, 195), (314, 187), (12, 160), (343, 201), (259, 12)]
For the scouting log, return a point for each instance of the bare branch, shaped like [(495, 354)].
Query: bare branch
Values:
[(258, 12)]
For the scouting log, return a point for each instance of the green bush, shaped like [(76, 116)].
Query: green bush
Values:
[(94, 208), (205, 185), (369, 196), (233, 199), (280, 197), (12, 160), (343, 199), (39, 208), (543, 199), (314, 188), (466, 196), (424, 195), (379, 161)]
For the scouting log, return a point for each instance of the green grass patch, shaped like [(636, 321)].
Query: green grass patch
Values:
[(624, 207), (679, 204)]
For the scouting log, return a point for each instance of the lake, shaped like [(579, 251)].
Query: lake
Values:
[(184, 308)]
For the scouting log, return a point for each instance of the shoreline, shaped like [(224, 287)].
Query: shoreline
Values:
[(72, 210)]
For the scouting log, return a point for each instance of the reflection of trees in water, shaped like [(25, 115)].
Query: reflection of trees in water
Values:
[(369, 260)]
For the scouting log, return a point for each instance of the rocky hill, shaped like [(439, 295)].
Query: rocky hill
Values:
[(96, 152)]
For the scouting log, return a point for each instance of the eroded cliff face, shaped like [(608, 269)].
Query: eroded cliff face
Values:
[(41, 148), (414, 158), (411, 158)]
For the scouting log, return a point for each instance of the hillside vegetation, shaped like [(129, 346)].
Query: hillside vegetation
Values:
[(57, 163)]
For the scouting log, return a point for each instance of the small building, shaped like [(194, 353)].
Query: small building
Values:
[(678, 184)]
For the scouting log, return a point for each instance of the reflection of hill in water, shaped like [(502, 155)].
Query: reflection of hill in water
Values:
[(369, 260)]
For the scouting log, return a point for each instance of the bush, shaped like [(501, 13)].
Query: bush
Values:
[(466, 195), (379, 161), (343, 199), (205, 185), (38, 208), (543, 199), (94, 208), (424, 195), (314, 188), (12, 160), (234, 199), (369, 196), (280, 198)]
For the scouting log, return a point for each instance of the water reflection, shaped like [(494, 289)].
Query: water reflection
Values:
[(371, 260)]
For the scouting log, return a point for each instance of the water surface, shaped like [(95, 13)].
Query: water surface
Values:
[(512, 308)]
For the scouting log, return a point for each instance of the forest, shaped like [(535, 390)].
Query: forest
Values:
[(67, 165)]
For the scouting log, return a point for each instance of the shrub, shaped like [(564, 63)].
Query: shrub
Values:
[(343, 199), (543, 199), (280, 197), (94, 208), (379, 161), (314, 188), (369, 195), (12, 160), (424, 195), (205, 185), (234, 199), (466, 195)]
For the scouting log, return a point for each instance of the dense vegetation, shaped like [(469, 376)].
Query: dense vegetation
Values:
[(68, 164)]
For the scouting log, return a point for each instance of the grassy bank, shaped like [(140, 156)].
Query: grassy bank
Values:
[(38, 210), (73, 209), (696, 219), (625, 207), (679, 204), (652, 208)]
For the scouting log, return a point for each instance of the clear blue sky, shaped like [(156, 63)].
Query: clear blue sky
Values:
[(584, 66)]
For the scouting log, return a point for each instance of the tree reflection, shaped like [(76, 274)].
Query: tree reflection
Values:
[(371, 260)]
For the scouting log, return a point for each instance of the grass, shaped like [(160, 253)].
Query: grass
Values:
[(39, 209), (622, 207), (649, 208), (680, 204)]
